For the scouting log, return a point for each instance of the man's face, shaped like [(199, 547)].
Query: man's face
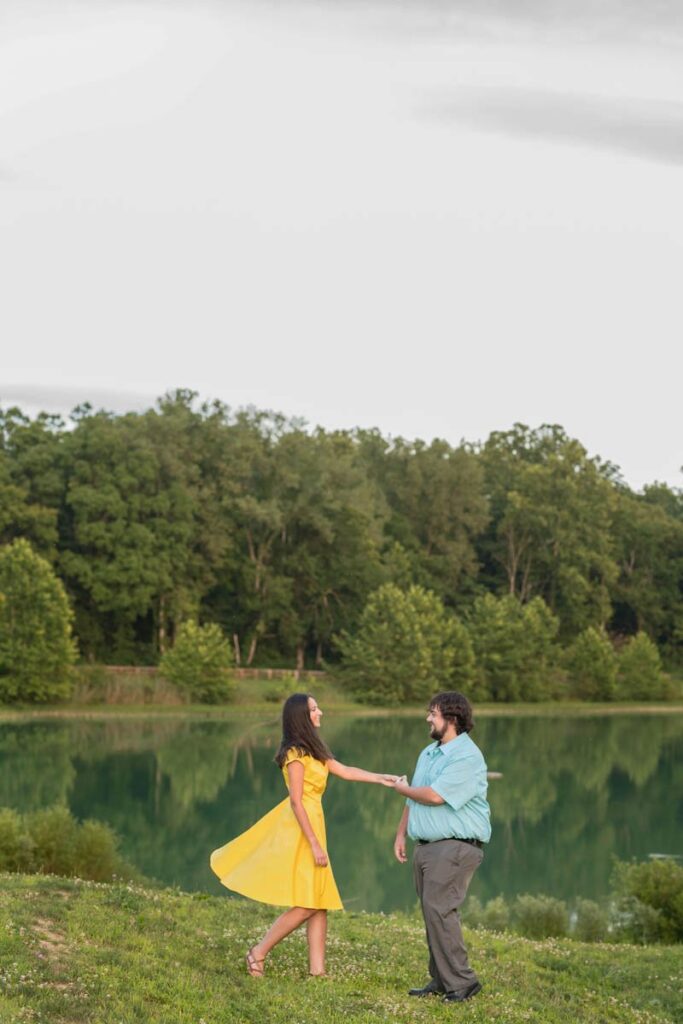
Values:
[(437, 723)]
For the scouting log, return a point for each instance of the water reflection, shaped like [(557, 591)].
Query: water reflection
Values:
[(575, 793)]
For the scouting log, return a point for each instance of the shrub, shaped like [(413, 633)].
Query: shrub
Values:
[(53, 835), (279, 689), (51, 841), (199, 663), (640, 675), (496, 915), (634, 921), (592, 924), (657, 885), (514, 648), (37, 651), (472, 912), (540, 917), (15, 852), (406, 648), (96, 853), (592, 666)]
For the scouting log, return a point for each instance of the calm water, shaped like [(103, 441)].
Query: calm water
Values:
[(575, 793)]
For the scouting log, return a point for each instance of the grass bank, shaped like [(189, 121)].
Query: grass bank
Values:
[(102, 691), (266, 710), (86, 953)]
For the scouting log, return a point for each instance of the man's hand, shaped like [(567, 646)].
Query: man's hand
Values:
[(400, 848), (402, 780)]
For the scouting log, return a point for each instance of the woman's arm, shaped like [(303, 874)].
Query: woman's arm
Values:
[(344, 771), (295, 771)]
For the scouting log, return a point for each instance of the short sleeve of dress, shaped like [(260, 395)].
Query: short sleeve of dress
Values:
[(293, 755)]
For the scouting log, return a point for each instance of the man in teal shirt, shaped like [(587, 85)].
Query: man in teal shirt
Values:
[(448, 816)]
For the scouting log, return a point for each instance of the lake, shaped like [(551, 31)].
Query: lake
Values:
[(576, 792)]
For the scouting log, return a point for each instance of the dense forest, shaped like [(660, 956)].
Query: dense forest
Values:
[(280, 533)]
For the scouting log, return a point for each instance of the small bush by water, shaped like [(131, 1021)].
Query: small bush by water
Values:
[(650, 900), (51, 841), (646, 906)]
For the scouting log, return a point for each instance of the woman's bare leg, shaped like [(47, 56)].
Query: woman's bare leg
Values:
[(316, 934), (280, 929)]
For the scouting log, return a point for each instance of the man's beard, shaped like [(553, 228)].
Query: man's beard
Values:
[(437, 734)]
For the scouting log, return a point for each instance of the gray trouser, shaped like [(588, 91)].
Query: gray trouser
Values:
[(443, 872)]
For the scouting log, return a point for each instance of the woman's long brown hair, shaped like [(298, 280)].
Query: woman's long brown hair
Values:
[(298, 732)]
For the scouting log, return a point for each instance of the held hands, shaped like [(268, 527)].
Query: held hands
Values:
[(402, 780), (387, 780), (319, 855)]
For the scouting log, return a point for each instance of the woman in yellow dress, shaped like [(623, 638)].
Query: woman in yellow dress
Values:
[(282, 859)]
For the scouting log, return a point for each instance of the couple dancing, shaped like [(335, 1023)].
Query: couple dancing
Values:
[(282, 859)]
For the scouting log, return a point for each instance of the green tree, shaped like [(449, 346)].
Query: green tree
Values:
[(30, 480), (514, 648), (257, 507), (592, 666), (640, 675), (199, 663), (144, 532), (329, 550), (436, 507), (37, 650), (406, 648), (550, 531), (648, 538)]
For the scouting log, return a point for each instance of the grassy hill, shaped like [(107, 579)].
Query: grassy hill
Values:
[(73, 952)]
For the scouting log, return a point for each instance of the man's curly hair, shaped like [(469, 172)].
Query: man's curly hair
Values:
[(454, 708)]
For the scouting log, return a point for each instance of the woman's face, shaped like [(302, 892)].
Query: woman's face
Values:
[(315, 712)]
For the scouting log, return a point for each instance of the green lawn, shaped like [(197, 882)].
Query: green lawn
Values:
[(73, 952)]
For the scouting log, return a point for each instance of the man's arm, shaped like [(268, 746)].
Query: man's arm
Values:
[(420, 794)]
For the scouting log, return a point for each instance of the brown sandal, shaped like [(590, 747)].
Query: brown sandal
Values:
[(254, 966)]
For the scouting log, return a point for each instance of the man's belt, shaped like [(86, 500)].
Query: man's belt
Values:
[(458, 839)]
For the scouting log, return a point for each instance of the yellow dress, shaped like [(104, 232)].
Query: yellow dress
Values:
[(272, 861)]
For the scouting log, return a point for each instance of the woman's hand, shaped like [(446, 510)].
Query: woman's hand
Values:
[(387, 780), (319, 855)]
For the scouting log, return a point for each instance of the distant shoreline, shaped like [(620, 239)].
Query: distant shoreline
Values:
[(236, 711)]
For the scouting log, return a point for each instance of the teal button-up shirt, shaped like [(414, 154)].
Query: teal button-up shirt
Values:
[(457, 772)]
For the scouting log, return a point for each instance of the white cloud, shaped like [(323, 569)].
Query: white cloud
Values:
[(314, 209)]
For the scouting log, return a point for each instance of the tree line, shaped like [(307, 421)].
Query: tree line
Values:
[(281, 534)]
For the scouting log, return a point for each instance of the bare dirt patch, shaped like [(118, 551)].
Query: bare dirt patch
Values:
[(51, 943)]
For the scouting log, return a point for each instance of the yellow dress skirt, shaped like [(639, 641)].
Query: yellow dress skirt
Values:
[(272, 861)]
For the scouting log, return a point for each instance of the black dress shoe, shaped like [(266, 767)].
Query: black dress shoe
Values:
[(463, 994), (428, 990)]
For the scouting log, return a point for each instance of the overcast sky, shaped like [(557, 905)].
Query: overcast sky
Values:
[(398, 215)]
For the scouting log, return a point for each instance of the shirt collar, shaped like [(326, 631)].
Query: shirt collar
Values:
[(446, 749)]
